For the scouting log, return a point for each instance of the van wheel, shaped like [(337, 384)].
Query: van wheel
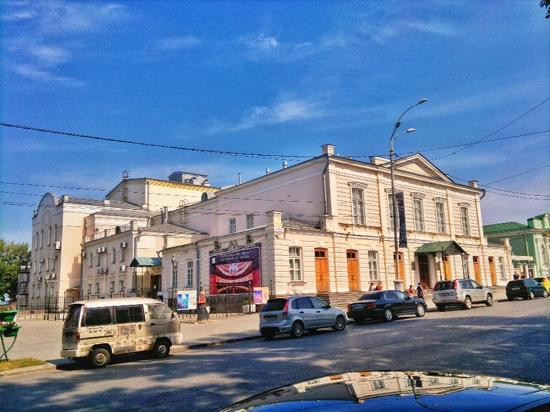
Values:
[(297, 329), (100, 357), (162, 348)]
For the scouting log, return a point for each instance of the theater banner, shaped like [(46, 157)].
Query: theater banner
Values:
[(236, 271)]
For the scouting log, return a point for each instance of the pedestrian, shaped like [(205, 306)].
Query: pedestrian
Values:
[(202, 313), (516, 276), (523, 276), (379, 286), (371, 287), (411, 291), (420, 291)]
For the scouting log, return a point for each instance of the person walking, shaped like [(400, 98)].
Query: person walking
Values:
[(202, 313), (371, 287), (420, 291), (379, 286), (516, 276), (410, 291)]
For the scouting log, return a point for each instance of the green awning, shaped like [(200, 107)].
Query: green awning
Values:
[(449, 248), (146, 262)]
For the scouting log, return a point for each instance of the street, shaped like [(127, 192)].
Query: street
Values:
[(510, 339)]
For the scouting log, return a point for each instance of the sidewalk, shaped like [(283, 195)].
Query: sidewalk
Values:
[(41, 339)]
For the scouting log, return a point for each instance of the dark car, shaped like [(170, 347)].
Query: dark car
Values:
[(525, 288), (387, 305)]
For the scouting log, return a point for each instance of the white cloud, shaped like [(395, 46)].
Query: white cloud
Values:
[(177, 43), (432, 27), (381, 33), (262, 43), (50, 55), (282, 112), (32, 72)]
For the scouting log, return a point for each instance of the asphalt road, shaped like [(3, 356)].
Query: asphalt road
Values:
[(510, 339)]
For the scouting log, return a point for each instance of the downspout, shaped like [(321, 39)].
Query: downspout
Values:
[(325, 184), (198, 259)]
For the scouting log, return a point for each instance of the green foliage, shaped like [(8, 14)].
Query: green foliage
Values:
[(545, 4), (12, 255)]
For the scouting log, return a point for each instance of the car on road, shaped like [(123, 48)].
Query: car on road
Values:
[(386, 305), (545, 282), (296, 314), (525, 288), (460, 292), (94, 330)]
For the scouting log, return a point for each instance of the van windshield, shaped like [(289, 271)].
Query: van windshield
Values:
[(73, 317)]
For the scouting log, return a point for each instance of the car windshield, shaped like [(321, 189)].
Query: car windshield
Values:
[(372, 296), (274, 305), (444, 285)]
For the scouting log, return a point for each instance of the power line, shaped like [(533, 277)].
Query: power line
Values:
[(520, 174), (503, 190), (158, 145), (475, 142)]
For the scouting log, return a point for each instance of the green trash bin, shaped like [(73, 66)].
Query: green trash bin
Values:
[(7, 315)]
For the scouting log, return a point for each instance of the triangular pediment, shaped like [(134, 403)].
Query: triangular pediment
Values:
[(419, 165)]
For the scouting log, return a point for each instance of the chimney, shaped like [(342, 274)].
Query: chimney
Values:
[(328, 149), (275, 218), (473, 183), (267, 171), (65, 198), (165, 211), (285, 164)]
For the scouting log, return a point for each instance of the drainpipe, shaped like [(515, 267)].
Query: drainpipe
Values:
[(198, 260), (325, 184)]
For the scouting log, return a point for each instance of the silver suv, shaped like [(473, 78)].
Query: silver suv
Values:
[(296, 314), (461, 292)]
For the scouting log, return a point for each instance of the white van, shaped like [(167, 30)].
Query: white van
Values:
[(96, 329)]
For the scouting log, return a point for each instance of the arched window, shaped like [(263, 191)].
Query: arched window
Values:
[(544, 253)]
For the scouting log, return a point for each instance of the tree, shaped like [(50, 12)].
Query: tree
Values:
[(545, 4), (12, 256)]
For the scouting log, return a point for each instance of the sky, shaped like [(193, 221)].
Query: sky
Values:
[(270, 77)]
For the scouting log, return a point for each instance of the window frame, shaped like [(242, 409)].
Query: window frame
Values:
[(189, 272), (113, 257), (358, 206), (465, 220), (419, 223), (440, 218), (250, 221), (295, 272), (106, 309), (232, 225), (373, 264)]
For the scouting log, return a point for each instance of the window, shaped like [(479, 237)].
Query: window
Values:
[(55, 233), (544, 254), (90, 258), (390, 203), (122, 315), (47, 264), (465, 267), (159, 311), (302, 303), (73, 317), (97, 288), (418, 214), (232, 225), (175, 275), (123, 254), (97, 316), (112, 286), (440, 217), (501, 268), (38, 291), (378, 384), (373, 264), (358, 206), (249, 221), (465, 221), (295, 263), (121, 285), (129, 314), (189, 278), (41, 239), (113, 257), (400, 295), (318, 303), (395, 295), (37, 241), (49, 236), (98, 260)]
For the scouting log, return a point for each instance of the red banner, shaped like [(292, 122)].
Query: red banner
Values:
[(237, 271)]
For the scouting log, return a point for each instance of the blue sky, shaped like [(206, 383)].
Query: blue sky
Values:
[(270, 77)]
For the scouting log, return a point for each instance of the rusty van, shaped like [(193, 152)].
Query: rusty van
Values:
[(95, 330)]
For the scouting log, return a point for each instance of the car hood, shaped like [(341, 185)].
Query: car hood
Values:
[(397, 390)]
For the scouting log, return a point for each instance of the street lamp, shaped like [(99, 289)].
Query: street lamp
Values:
[(394, 197)]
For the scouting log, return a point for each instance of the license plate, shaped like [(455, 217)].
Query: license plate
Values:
[(270, 318), (358, 307), (515, 288)]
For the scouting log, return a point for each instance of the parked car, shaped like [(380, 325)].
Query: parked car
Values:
[(545, 282), (95, 330), (297, 314), (460, 292), (387, 305), (525, 288)]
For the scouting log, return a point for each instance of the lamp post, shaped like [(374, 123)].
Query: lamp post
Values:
[(394, 197)]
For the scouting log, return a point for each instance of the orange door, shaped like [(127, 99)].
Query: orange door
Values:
[(321, 270), (353, 271), (447, 268), (401, 266), (492, 270), (477, 270)]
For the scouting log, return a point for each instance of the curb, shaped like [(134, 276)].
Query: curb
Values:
[(184, 348), (27, 369)]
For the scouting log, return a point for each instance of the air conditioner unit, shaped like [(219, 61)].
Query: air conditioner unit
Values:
[(123, 245), (83, 254), (98, 250), (106, 270), (52, 276), (123, 268), (103, 249), (57, 245), (39, 278)]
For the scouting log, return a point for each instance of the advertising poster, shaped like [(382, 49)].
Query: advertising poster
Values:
[(261, 295), (187, 300), (234, 271)]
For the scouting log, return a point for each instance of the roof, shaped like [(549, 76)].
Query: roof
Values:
[(300, 225), (169, 228), (146, 262), (163, 182), (503, 227), (95, 202), (115, 301), (449, 247), (129, 213)]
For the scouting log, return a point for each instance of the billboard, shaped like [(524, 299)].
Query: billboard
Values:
[(261, 295), (187, 300), (236, 271), (402, 222)]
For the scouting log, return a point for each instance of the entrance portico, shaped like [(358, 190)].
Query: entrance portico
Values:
[(434, 263)]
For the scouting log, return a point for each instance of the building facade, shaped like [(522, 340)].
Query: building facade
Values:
[(530, 243), (325, 227)]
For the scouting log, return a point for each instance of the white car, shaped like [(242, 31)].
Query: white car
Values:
[(460, 292)]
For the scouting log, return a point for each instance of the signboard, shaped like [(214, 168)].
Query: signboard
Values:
[(261, 295), (402, 223), (186, 300), (236, 271)]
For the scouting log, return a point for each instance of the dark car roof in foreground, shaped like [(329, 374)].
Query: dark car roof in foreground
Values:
[(397, 390)]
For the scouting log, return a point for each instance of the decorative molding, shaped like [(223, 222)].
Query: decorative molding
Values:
[(418, 195), (463, 204), (440, 199), (358, 185)]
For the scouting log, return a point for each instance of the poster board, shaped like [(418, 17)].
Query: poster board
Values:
[(186, 300), (261, 295), (235, 271)]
